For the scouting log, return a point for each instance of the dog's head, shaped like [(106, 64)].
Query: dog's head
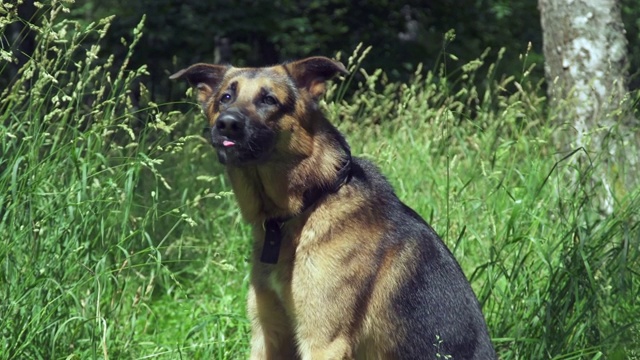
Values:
[(258, 113)]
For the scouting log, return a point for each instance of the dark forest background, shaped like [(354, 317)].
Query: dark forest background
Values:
[(178, 33)]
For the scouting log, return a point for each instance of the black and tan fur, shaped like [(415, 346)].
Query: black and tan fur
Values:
[(358, 274)]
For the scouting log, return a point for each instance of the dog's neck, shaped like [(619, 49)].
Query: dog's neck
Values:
[(283, 188)]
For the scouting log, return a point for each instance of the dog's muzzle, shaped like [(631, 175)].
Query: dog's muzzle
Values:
[(230, 125), (239, 139)]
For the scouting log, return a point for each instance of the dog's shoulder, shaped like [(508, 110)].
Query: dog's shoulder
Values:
[(368, 178)]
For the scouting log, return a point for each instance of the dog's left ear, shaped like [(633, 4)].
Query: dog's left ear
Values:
[(312, 73), (204, 77)]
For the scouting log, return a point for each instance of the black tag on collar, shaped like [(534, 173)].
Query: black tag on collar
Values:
[(272, 241)]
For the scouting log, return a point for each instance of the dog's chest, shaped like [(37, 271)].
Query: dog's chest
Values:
[(278, 277), (279, 282)]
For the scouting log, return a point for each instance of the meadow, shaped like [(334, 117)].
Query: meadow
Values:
[(120, 237)]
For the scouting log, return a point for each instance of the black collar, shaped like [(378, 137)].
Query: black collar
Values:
[(273, 227)]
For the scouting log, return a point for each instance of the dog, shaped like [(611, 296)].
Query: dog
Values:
[(342, 269)]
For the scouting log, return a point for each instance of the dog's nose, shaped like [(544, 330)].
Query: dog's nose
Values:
[(230, 125)]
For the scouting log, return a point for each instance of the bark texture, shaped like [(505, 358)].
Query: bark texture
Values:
[(586, 67), (585, 52)]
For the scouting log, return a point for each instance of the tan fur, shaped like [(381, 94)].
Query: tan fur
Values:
[(282, 296)]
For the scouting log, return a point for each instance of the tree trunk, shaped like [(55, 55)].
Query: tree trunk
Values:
[(585, 52)]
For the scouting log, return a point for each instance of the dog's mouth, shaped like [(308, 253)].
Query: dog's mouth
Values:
[(238, 140)]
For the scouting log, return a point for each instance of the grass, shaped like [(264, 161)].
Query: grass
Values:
[(120, 237)]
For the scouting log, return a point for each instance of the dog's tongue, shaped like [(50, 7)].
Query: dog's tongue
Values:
[(228, 143)]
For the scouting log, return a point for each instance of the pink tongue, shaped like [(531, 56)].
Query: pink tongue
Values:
[(228, 143)]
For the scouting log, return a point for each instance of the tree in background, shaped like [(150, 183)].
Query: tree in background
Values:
[(586, 58), (586, 68)]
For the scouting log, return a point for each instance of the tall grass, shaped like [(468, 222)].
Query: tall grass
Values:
[(119, 237), (85, 228)]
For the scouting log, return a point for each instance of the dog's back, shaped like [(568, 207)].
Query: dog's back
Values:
[(432, 311)]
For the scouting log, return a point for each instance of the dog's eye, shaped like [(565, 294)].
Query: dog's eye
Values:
[(269, 100), (225, 98)]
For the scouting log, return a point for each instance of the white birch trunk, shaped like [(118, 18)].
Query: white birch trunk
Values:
[(585, 53)]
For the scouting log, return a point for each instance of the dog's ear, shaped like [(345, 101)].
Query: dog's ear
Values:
[(312, 73), (204, 77)]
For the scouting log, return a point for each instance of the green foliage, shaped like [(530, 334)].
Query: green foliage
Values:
[(124, 241)]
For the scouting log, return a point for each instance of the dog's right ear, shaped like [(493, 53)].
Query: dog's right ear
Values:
[(312, 73), (204, 77)]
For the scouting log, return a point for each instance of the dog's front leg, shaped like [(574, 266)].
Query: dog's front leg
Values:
[(327, 323), (271, 331), (320, 335)]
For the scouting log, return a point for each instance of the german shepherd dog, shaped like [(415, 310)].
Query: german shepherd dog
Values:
[(342, 269)]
